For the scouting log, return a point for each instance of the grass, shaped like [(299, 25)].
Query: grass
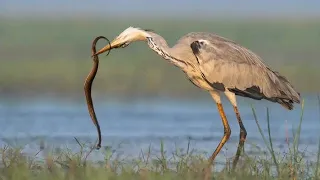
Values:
[(182, 164), (41, 55)]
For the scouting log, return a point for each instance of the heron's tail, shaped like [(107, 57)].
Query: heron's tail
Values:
[(288, 104), (289, 95)]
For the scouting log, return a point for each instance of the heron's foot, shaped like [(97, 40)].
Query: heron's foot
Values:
[(238, 157)]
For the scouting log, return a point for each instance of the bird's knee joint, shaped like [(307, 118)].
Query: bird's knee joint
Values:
[(242, 139), (243, 134), (227, 132)]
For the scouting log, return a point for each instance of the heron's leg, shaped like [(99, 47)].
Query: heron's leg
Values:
[(243, 133), (227, 132), (242, 139)]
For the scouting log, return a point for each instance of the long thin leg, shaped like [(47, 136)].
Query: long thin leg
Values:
[(243, 133), (225, 138), (242, 139)]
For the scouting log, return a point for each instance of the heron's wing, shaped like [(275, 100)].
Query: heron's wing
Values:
[(228, 65)]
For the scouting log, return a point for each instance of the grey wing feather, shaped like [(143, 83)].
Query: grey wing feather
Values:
[(241, 71)]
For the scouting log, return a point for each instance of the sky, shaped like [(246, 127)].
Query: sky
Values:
[(163, 8)]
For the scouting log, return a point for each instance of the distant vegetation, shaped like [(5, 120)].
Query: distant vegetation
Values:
[(53, 56)]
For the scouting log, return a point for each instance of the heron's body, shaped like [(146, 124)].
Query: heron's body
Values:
[(222, 65), (218, 65)]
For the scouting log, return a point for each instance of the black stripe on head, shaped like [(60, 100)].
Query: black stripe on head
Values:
[(148, 30)]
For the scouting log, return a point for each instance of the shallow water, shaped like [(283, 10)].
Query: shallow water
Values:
[(132, 126)]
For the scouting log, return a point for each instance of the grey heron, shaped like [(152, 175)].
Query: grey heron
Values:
[(217, 65)]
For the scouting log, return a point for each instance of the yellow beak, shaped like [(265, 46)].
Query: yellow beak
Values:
[(114, 44)]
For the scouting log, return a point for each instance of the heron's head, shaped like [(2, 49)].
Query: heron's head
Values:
[(129, 35)]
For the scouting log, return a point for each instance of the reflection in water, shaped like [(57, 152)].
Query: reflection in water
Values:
[(132, 126)]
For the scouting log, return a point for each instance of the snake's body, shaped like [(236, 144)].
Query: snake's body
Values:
[(88, 86)]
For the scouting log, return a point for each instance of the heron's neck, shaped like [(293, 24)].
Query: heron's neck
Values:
[(166, 52)]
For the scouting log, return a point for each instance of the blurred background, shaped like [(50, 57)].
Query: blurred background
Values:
[(139, 97)]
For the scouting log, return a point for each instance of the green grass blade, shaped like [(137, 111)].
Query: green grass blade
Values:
[(271, 145), (297, 134), (163, 157), (318, 155), (318, 162), (260, 130)]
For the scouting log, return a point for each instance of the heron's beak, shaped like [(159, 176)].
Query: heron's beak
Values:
[(114, 44)]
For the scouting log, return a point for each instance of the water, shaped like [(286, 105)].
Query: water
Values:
[(130, 127)]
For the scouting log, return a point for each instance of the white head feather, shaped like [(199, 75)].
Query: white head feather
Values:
[(133, 33)]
